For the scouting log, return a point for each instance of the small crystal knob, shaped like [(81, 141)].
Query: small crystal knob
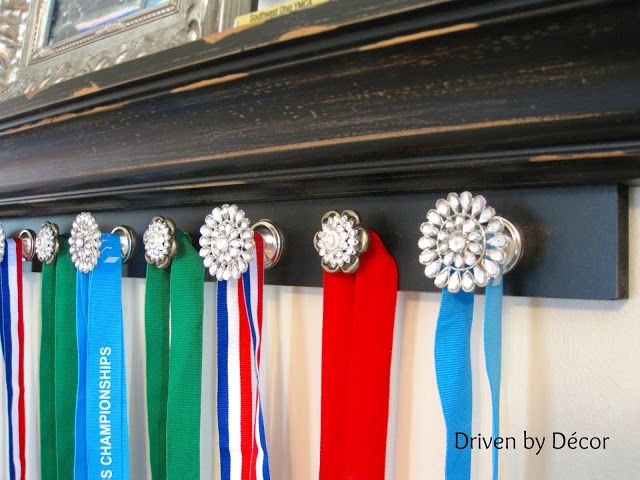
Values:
[(160, 242), (2, 240), (341, 241), (85, 242), (464, 244), (47, 243)]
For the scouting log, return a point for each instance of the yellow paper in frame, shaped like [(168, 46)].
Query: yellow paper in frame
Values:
[(277, 11)]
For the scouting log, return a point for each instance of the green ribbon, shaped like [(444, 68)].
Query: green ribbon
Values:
[(156, 315), (66, 362), (48, 463), (173, 393)]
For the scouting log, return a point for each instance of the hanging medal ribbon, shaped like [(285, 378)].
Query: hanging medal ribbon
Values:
[(160, 246), (173, 367), (47, 246), (106, 394), (66, 360), (12, 338), (493, 356), (156, 318), (101, 446), (243, 448), (48, 466), (82, 318), (357, 340), (234, 254), (185, 363), (464, 246)]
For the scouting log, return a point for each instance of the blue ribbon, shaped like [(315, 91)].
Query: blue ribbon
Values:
[(101, 416), (493, 355), (453, 371), (246, 278), (223, 375), (82, 315), (453, 374), (5, 337)]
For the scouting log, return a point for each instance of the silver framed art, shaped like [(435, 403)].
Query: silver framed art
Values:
[(44, 42)]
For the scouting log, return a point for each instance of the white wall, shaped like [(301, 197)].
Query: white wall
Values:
[(567, 366)]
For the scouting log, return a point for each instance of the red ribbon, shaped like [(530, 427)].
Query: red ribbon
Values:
[(357, 339)]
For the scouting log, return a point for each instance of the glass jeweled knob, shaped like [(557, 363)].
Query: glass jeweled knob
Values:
[(160, 242), (47, 243), (85, 242), (341, 241), (464, 244), (227, 242)]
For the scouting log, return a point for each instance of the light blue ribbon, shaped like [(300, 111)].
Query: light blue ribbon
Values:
[(82, 309), (103, 411), (453, 374), (453, 371), (493, 355)]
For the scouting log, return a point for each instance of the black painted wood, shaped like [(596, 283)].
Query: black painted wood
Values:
[(308, 33), (574, 238), (382, 111), (510, 102)]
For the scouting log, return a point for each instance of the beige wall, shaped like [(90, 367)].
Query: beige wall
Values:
[(567, 366)]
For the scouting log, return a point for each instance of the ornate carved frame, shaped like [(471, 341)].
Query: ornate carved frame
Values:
[(27, 65)]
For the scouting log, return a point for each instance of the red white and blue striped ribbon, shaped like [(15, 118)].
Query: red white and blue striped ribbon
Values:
[(243, 447), (12, 337)]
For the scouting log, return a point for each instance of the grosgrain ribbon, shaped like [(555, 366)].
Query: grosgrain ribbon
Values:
[(66, 361), (493, 355), (101, 443), (82, 314), (453, 371), (185, 363), (174, 371), (357, 340), (156, 318), (241, 431), (48, 464), (106, 395), (12, 338)]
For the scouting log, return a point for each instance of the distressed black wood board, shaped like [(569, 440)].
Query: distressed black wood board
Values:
[(321, 30), (575, 239), (514, 101)]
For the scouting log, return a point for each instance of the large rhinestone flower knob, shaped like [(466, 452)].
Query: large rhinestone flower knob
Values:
[(226, 242), (464, 244), (85, 242), (341, 241), (2, 239), (47, 242), (160, 242)]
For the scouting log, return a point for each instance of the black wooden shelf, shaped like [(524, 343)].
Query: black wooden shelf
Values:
[(378, 106)]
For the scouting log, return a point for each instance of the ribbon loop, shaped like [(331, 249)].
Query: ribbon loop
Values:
[(357, 340)]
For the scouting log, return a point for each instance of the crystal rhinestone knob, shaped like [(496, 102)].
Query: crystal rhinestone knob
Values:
[(85, 242), (464, 244), (160, 242), (2, 239), (341, 241), (47, 243), (226, 242)]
